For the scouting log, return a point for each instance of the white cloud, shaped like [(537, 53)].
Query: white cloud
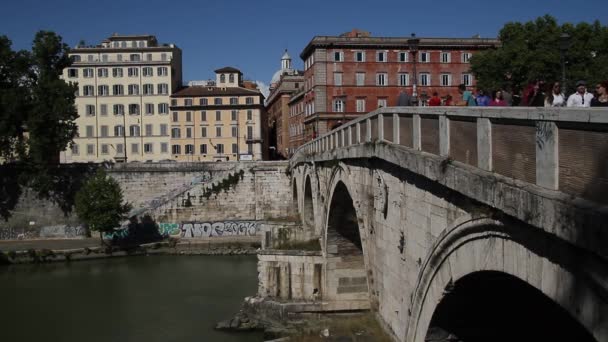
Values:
[(264, 88)]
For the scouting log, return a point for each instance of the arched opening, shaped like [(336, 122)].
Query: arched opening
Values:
[(342, 227), (309, 215), (494, 306), (294, 201)]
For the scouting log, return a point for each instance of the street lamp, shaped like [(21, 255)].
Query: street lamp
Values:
[(413, 45), (564, 45)]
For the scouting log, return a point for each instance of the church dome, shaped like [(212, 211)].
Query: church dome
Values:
[(285, 68)]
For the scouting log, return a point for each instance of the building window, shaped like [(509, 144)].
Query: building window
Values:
[(148, 89), (360, 105), (425, 79), (90, 149), (234, 131), (163, 129), (119, 57), (118, 89), (104, 58), (133, 89), (218, 132), (148, 55), (104, 149), (120, 149), (249, 132), (176, 149), (89, 131), (149, 130), (174, 102), (249, 115), (231, 78), (148, 148), (446, 57), (338, 56), (188, 102), (90, 110), (360, 78), (337, 78), (134, 148), (133, 72), (164, 147), (220, 148), (147, 71), (339, 105), (359, 56), (222, 78), (203, 148), (188, 116), (134, 57), (102, 72), (403, 56), (203, 102), (467, 79), (75, 58), (176, 132), (466, 57), (88, 73), (235, 149), (404, 79), (446, 80), (189, 149), (203, 132), (104, 131), (133, 109), (75, 149), (175, 117), (249, 100), (218, 115), (103, 110), (90, 58), (234, 101), (116, 72), (250, 148), (163, 88), (119, 131), (381, 79), (233, 115), (119, 109), (381, 103), (103, 90), (425, 57), (134, 130), (188, 132), (163, 56), (217, 101), (162, 71), (204, 115), (381, 56), (88, 91), (163, 108)]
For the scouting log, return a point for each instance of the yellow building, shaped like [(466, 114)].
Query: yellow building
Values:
[(124, 86), (218, 122)]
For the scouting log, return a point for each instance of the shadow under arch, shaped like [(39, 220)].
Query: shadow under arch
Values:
[(568, 278), (308, 207), (343, 237), (294, 192), (495, 306)]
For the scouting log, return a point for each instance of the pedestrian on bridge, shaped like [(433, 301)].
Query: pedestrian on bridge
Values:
[(555, 97), (581, 98), (601, 100)]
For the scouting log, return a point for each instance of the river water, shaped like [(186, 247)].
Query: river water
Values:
[(154, 298)]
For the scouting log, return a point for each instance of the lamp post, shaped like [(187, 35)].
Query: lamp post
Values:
[(564, 45), (413, 45)]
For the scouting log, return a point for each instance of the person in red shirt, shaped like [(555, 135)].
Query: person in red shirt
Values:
[(435, 100), (448, 101)]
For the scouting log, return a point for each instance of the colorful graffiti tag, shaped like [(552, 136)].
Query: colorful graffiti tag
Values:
[(190, 230), (170, 229)]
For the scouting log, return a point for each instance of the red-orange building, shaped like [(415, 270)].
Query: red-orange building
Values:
[(352, 74)]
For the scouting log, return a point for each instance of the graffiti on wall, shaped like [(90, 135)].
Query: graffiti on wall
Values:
[(170, 229), (10, 233), (62, 231), (223, 228)]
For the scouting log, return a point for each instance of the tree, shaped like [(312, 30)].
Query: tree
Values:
[(531, 50), (99, 203)]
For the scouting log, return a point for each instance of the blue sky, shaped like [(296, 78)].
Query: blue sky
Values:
[(251, 35)]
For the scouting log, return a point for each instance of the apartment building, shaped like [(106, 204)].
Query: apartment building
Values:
[(284, 83), (219, 122), (296, 121), (352, 74), (124, 85)]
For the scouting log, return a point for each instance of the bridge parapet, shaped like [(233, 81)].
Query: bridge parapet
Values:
[(557, 149)]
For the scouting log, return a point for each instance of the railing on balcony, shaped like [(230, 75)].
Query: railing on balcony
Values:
[(558, 149)]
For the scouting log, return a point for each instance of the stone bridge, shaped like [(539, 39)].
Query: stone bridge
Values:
[(489, 224)]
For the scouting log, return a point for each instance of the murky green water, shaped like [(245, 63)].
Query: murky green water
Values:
[(156, 298)]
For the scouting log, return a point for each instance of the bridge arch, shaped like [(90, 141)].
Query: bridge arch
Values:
[(480, 252), (308, 211), (294, 201)]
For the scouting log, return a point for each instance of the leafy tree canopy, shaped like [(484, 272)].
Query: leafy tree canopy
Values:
[(531, 51)]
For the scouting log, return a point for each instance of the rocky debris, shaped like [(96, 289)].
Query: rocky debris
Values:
[(240, 322)]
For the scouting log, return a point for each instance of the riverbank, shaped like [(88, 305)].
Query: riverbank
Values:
[(63, 250)]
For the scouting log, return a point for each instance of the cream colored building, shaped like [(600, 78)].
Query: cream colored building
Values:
[(218, 123), (124, 85)]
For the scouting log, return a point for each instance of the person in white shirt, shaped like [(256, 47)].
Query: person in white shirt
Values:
[(555, 97), (581, 98)]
